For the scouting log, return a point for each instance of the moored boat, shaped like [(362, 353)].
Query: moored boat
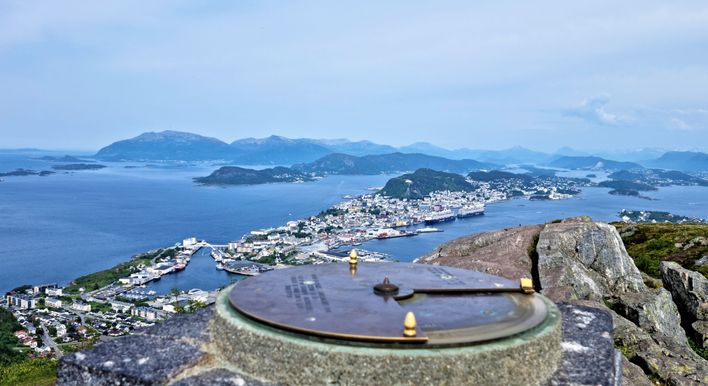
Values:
[(440, 216)]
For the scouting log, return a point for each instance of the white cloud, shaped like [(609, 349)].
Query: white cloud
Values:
[(679, 124), (594, 110)]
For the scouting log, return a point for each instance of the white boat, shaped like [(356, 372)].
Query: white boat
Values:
[(428, 230), (440, 216), (475, 209)]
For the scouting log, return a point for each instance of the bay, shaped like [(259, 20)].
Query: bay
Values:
[(56, 228)]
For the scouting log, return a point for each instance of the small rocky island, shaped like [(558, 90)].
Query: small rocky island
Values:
[(80, 166), (26, 172)]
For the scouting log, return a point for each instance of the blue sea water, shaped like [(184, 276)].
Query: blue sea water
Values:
[(55, 228)]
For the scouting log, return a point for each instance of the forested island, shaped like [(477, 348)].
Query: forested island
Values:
[(234, 175), (79, 167), (422, 182), (26, 172)]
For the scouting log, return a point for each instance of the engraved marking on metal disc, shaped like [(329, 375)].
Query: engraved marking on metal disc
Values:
[(451, 305)]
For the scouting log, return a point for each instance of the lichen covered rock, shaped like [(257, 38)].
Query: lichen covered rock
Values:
[(653, 311), (661, 358), (584, 260), (689, 290), (504, 252)]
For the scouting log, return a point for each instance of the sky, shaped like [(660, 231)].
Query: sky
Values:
[(476, 74)]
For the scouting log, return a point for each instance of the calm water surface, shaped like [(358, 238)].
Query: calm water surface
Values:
[(56, 228)]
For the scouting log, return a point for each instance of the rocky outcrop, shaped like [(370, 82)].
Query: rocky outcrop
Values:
[(584, 260), (690, 292), (661, 358), (653, 311), (505, 252)]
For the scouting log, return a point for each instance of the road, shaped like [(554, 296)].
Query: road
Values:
[(47, 339)]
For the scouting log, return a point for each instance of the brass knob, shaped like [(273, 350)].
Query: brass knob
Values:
[(386, 287), (353, 256), (526, 285), (409, 325)]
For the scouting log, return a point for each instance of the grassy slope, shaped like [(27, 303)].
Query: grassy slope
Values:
[(649, 244), (34, 372), (100, 279)]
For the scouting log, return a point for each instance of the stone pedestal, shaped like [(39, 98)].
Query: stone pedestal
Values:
[(281, 357)]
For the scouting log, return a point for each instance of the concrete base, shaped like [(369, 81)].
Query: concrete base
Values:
[(280, 357)]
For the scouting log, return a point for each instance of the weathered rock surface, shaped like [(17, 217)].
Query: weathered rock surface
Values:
[(632, 375), (662, 358), (504, 252), (689, 290), (653, 311), (699, 329), (587, 346), (581, 261), (584, 260), (131, 360)]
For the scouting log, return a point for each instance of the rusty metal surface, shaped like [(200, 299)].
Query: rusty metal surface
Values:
[(329, 300)]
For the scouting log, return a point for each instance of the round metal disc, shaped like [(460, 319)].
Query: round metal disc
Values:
[(338, 301)]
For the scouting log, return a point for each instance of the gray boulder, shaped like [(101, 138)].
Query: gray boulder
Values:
[(584, 260), (662, 359), (689, 290), (653, 311), (699, 330), (505, 252)]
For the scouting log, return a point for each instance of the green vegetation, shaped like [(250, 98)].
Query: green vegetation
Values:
[(697, 347), (96, 280), (332, 212), (34, 372), (100, 307), (21, 288), (622, 185), (79, 167), (423, 182), (8, 341), (253, 238), (649, 244), (191, 307), (233, 175)]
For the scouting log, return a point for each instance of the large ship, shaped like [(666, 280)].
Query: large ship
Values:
[(441, 216), (249, 270), (475, 209)]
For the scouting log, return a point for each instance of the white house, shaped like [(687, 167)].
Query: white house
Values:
[(53, 302), (120, 306), (22, 301), (81, 306), (54, 291), (147, 313)]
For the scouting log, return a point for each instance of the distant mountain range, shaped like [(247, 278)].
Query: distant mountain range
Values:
[(167, 145), (689, 161), (175, 145), (342, 164), (387, 163), (276, 150)]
